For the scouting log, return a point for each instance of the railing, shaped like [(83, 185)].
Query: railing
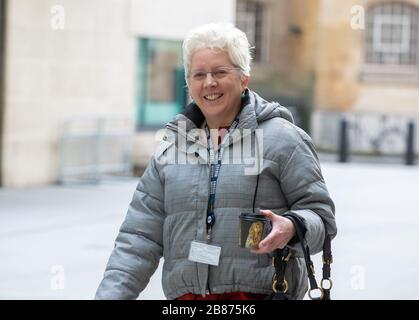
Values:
[(400, 135), (93, 148), (369, 134)]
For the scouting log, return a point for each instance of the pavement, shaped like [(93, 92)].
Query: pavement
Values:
[(55, 241)]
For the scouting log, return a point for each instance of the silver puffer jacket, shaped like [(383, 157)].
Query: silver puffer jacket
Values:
[(169, 207)]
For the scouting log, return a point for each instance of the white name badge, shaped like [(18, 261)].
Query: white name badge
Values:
[(204, 253)]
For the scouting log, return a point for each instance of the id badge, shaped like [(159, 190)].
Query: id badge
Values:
[(204, 253)]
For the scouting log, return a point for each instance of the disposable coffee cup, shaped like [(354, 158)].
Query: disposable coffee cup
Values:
[(253, 229)]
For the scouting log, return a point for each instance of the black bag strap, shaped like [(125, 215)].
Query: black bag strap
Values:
[(281, 257), (327, 261), (279, 284)]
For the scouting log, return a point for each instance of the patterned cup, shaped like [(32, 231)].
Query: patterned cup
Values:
[(253, 228)]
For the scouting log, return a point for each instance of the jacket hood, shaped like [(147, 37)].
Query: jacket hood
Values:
[(265, 110)]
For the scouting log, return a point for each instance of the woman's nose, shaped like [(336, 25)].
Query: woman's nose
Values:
[(209, 80)]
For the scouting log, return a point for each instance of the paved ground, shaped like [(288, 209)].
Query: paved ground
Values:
[(55, 241)]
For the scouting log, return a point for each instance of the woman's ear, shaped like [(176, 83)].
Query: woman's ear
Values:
[(245, 82)]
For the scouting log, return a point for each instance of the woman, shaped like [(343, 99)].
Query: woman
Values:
[(187, 204)]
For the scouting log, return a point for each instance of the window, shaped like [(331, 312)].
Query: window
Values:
[(250, 18), (391, 35), (161, 84)]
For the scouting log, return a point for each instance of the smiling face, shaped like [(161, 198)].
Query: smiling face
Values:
[(219, 98)]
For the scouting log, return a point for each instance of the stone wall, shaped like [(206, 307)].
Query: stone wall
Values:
[(52, 73)]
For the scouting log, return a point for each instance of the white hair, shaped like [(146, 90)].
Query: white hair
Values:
[(222, 36)]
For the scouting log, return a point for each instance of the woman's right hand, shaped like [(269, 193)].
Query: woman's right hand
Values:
[(282, 232)]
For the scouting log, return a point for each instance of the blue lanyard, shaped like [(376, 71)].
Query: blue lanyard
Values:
[(214, 171)]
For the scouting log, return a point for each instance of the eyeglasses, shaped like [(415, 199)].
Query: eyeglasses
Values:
[(218, 73)]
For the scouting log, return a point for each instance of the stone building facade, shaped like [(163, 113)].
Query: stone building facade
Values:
[(97, 60)]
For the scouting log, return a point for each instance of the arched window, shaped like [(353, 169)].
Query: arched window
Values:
[(392, 34)]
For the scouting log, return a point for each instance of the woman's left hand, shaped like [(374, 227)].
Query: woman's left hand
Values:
[(282, 232)]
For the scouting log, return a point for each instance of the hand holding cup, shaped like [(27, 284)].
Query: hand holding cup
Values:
[(281, 233)]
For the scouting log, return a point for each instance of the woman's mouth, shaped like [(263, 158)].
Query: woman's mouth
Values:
[(213, 96)]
